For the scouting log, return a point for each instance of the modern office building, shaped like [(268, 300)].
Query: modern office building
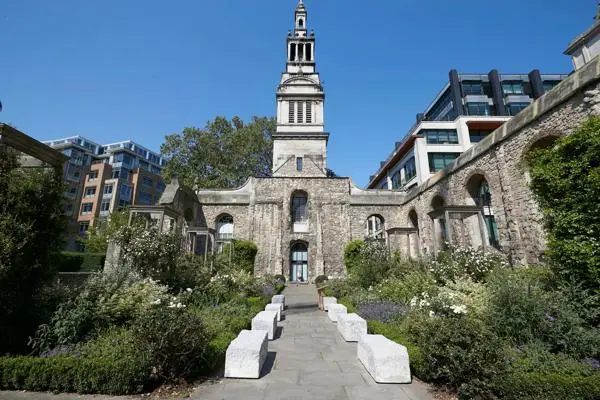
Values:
[(103, 178), (469, 107)]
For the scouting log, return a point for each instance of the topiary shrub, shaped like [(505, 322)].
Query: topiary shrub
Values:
[(280, 279), (320, 280)]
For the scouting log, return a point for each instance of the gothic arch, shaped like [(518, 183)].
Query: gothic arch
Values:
[(224, 226), (540, 140)]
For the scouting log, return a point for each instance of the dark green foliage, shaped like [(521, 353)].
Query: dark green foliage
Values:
[(539, 375), (352, 254), (566, 181), (176, 341), (222, 155), (75, 262), (71, 374), (31, 226), (244, 254), (460, 352), (522, 310)]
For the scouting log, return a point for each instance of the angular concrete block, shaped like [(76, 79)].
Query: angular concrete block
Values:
[(386, 360), (276, 308), (246, 355), (351, 326), (278, 298), (265, 321), (327, 301), (335, 310)]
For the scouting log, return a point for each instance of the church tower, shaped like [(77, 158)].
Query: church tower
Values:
[(300, 142)]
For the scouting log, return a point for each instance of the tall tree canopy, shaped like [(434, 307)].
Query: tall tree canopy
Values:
[(222, 155)]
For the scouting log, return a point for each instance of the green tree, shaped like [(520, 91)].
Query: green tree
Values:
[(222, 155), (96, 239), (31, 225), (566, 181)]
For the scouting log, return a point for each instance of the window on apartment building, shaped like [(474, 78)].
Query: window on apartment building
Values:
[(105, 205), (76, 174), (108, 189), (124, 174), (86, 208), (292, 112), (90, 191), (396, 180), (478, 109), (123, 203), (441, 136), (145, 198), (147, 181), (299, 164), (548, 85), (160, 186), (438, 161), (125, 192), (515, 108), (476, 136), (92, 175), (116, 173), (154, 170), (145, 166), (512, 87), (472, 88), (410, 170), (308, 112), (84, 227), (73, 190), (300, 112), (123, 158)]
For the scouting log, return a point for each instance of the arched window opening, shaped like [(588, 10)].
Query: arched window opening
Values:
[(308, 52), (440, 224), (300, 212), (481, 196), (375, 227), (300, 52), (542, 143), (225, 227), (413, 218), (293, 51), (301, 23)]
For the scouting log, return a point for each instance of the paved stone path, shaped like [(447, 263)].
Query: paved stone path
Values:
[(310, 360)]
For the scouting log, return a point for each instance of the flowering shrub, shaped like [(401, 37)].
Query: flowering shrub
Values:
[(403, 289), (383, 311), (465, 262)]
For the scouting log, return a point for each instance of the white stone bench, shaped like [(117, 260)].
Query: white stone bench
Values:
[(386, 360), (246, 355), (327, 301), (278, 298), (335, 310), (278, 308), (265, 321), (351, 326)]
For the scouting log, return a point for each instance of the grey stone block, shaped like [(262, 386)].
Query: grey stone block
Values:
[(327, 301), (351, 326), (246, 355), (276, 308), (386, 360), (265, 321), (335, 310), (278, 299)]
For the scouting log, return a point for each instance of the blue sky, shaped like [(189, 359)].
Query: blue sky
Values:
[(140, 69)]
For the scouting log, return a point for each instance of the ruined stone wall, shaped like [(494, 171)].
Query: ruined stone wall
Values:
[(500, 158)]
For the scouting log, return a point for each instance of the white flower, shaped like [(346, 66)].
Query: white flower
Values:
[(189, 290), (157, 301), (431, 314)]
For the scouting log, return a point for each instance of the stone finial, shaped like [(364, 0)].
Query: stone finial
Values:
[(174, 179)]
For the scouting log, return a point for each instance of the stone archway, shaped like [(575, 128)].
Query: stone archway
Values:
[(298, 263)]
